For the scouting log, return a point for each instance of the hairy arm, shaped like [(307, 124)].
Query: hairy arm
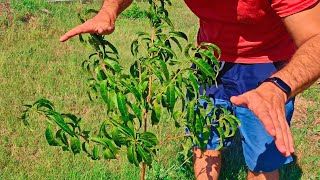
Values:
[(103, 22), (304, 68), (117, 5), (267, 101)]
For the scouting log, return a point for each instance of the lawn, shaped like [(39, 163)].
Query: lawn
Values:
[(34, 64)]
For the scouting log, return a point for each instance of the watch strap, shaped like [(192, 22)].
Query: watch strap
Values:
[(280, 84)]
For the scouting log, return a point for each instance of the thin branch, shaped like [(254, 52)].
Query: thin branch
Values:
[(173, 138)]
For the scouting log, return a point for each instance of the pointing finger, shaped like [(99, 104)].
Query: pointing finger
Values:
[(83, 28)]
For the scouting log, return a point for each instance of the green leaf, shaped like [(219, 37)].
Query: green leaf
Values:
[(75, 145), (41, 103), (149, 139), (84, 148), (72, 117), (221, 134), (103, 132), (111, 46), (146, 156), (177, 42), (187, 51), (179, 34), (118, 138), (204, 67), (132, 89), (156, 113), (62, 136), (190, 112), (132, 155), (122, 106), (209, 104), (211, 56), (164, 69), (169, 51), (60, 122), (95, 153), (194, 83), (113, 64), (156, 72), (199, 125), (212, 47), (171, 96), (137, 111), (124, 129), (49, 136), (135, 48), (107, 154)]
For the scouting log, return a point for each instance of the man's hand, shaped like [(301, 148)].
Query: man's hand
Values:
[(102, 23), (267, 102)]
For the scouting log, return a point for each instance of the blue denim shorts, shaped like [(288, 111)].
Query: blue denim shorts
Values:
[(259, 149)]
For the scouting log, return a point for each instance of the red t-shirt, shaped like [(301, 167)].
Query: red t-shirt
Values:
[(248, 31)]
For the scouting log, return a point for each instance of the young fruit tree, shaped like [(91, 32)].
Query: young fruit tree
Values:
[(157, 83)]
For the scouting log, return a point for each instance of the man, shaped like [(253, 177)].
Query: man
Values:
[(271, 53)]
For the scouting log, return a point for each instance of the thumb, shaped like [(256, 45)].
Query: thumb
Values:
[(239, 100)]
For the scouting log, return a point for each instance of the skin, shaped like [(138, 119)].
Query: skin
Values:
[(267, 101), (103, 22)]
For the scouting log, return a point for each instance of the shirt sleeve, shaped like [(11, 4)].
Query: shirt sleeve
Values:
[(288, 7)]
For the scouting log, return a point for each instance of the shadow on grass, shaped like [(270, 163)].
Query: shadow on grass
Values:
[(234, 167)]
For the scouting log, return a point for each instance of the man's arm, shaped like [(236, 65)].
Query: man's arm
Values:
[(103, 22), (268, 101)]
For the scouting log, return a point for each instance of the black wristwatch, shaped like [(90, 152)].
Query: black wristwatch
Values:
[(282, 85)]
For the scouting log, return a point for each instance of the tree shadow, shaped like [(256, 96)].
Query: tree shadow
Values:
[(234, 166)]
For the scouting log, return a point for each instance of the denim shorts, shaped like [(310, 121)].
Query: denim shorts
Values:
[(259, 149)]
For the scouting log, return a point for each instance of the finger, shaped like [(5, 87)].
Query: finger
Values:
[(267, 121), (283, 123), (83, 28), (239, 100), (279, 138), (291, 141), (290, 137)]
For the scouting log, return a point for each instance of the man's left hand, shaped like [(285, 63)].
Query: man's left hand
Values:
[(267, 102)]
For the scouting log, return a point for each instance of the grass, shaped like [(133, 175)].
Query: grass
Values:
[(34, 64)]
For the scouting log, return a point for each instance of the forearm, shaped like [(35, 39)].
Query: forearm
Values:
[(116, 5), (304, 68)]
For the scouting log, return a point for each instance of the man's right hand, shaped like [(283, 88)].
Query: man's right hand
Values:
[(102, 23)]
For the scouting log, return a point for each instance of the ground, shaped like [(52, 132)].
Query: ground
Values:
[(34, 64)]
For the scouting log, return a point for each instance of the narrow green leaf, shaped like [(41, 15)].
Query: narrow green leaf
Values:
[(179, 34), (221, 134), (137, 111), (146, 156), (149, 139), (190, 112), (212, 47), (60, 122), (132, 155), (164, 69), (107, 154), (95, 153), (122, 106), (75, 145), (204, 67), (132, 89), (194, 83), (124, 129), (171, 96), (49, 136), (177, 42)]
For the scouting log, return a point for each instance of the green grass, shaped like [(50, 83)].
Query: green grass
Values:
[(34, 64)]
